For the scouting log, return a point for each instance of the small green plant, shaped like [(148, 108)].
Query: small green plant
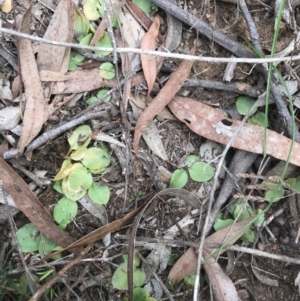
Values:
[(75, 177), (14, 289), (274, 192), (147, 7), (120, 279), (244, 105), (107, 70), (239, 211), (99, 95), (30, 240), (198, 171), (84, 31), (74, 180)]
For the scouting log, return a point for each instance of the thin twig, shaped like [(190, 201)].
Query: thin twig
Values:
[(251, 25), (48, 284), (145, 241), (242, 59), (156, 277), (29, 277), (55, 132), (208, 218)]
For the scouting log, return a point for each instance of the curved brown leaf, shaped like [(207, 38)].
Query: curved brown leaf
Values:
[(214, 125), (187, 263), (222, 287), (30, 205), (149, 61), (165, 95), (35, 101)]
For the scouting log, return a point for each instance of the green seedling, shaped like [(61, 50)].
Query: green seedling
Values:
[(257, 119), (14, 289), (104, 42), (107, 71), (198, 171), (244, 105), (30, 240), (80, 137), (240, 211), (93, 9), (99, 193), (83, 31), (147, 7), (275, 191), (75, 179), (120, 279), (81, 26), (64, 212), (136, 196), (75, 60), (178, 179), (99, 95), (201, 172)]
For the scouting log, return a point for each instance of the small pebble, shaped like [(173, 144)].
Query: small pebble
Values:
[(293, 232), (284, 239), (275, 230), (280, 221), (261, 246)]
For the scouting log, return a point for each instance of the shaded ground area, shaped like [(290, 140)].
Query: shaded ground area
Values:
[(133, 180)]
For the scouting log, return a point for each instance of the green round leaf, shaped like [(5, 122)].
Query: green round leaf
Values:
[(190, 160), (201, 172), (261, 218), (146, 6), (275, 193), (86, 40), (79, 153), (242, 212), (81, 25), (73, 195), (249, 236), (58, 187), (190, 280), (79, 178), (139, 277), (96, 158), (244, 104), (104, 42), (65, 211), (91, 100), (274, 196), (140, 294), (46, 246), (107, 71), (258, 119), (221, 223), (80, 137), (99, 193), (294, 183), (75, 60), (101, 93), (77, 183), (29, 238), (178, 179), (119, 279), (93, 10)]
